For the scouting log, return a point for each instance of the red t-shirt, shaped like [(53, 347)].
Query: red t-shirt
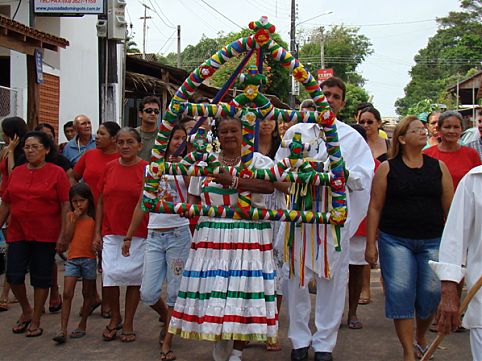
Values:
[(362, 228), (91, 166), (35, 197), (121, 187), (459, 163), (4, 173)]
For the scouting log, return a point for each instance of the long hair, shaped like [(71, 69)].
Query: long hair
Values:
[(275, 141), (15, 126), (400, 130), (177, 126), (83, 190)]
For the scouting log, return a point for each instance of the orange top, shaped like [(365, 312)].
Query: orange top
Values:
[(81, 244)]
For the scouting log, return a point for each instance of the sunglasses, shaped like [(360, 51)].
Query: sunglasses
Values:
[(369, 122), (151, 110)]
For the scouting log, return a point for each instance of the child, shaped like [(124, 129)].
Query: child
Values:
[(81, 260)]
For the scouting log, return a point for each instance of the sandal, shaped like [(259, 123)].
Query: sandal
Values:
[(109, 334), (169, 355), (77, 333), (364, 300), (355, 324), (273, 346), (3, 305), (420, 351), (34, 333), (60, 337), (21, 326), (128, 336), (56, 306)]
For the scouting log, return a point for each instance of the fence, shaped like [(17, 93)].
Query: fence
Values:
[(9, 102)]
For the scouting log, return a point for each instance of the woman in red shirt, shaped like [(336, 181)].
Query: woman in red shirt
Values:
[(37, 197), (459, 159), (119, 189)]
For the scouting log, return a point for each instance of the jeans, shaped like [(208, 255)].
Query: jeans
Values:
[(411, 287), (165, 256)]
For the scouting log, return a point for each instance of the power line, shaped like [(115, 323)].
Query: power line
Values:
[(196, 15), (224, 16), (156, 5), (159, 16), (168, 40)]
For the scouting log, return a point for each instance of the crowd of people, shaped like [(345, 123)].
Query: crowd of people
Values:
[(225, 278)]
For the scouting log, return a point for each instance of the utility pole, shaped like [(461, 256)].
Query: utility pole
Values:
[(322, 47), (144, 29), (179, 46), (293, 48)]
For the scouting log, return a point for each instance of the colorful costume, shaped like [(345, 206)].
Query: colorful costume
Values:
[(227, 288)]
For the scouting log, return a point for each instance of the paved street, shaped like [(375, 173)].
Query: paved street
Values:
[(375, 342)]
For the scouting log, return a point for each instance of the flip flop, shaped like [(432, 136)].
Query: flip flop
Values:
[(21, 326), (355, 324), (128, 337), (364, 301), (34, 333), (77, 333), (60, 337), (56, 306), (3, 305), (169, 355), (273, 347), (110, 335), (420, 351)]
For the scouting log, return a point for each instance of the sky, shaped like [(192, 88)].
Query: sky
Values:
[(397, 30)]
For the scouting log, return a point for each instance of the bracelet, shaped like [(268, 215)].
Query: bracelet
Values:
[(127, 239), (234, 183)]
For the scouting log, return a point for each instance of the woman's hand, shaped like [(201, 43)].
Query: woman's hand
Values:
[(97, 244), (126, 245), (371, 254), (223, 178), (13, 143), (61, 246)]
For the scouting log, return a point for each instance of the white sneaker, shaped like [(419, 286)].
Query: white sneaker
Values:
[(236, 355), (222, 349)]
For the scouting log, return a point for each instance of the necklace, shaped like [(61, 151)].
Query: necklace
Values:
[(230, 162)]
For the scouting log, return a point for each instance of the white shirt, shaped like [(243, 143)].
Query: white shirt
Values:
[(360, 164), (462, 242)]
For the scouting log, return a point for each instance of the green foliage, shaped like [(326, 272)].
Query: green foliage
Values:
[(424, 105), (451, 53), (354, 96), (345, 49), (131, 46)]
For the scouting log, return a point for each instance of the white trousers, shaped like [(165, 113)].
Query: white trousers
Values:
[(476, 343), (330, 302)]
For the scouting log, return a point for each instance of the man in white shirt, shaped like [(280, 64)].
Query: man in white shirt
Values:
[(331, 284), (461, 245)]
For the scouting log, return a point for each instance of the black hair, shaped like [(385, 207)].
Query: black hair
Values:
[(112, 128), (360, 130), (275, 141), (133, 132), (184, 119), (40, 126), (203, 100), (48, 143), (69, 124), (334, 82), (308, 103), (15, 126), (149, 99), (373, 111), (362, 106), (450, 113), (83, 190), (177, 126)]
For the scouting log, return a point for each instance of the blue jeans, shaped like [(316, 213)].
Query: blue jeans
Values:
[(81, 267), (165, 256), (411, 287)]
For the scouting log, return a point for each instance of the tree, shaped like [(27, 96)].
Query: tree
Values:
[(131, 46), (354, 96), (344, 50), (451, 53)]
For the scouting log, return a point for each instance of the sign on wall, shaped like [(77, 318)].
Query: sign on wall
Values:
[(68, 7)]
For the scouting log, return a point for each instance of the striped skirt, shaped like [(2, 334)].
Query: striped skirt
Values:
[(227, 288)]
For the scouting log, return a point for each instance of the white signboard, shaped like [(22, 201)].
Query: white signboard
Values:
[(69, 7)]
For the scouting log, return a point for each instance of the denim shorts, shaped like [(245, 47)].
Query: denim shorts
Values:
[(81, 267), (165, 256), (411, 287)]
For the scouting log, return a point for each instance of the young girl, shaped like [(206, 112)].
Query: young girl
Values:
[(167, 246), (81, 261)]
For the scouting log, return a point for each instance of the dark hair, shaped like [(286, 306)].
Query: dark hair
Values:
[(432, 113), (184, 119), (308, 103), (149, 99), (69, 124), (83, 190), (15, 126), (132, 131), (48, 143), (40, 126), (203, 100), (111, 127), (215, 127), (373, 111), (362, 106), (479, 112), (177, 126), (334, 82), (448, 114), (360, 130), (275, 141)]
